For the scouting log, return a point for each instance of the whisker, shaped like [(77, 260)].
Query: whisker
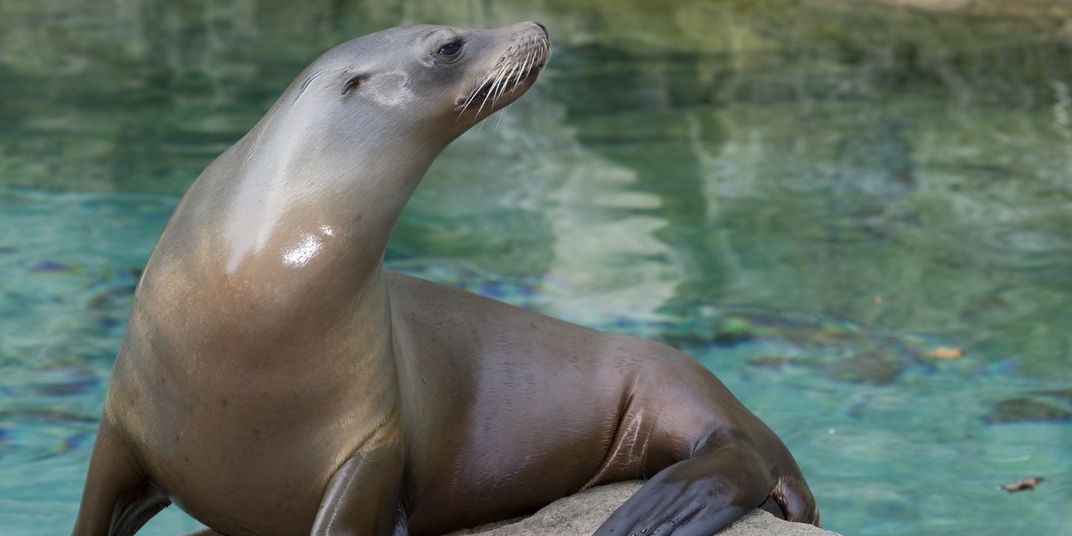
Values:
[(476, 91), (537, 48), (502, 89), (508, 85), (488, 94), (529, 60), (520, 70), (495, 87), (501, 114)]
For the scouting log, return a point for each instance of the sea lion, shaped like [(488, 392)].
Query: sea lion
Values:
[(275, 379)]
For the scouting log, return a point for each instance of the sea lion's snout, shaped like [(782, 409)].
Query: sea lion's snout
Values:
[(517, 55)]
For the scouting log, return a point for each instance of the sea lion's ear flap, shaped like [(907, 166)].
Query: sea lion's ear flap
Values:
[(353, 82)]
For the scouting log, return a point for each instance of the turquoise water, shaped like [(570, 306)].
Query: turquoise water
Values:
[(808, 199)]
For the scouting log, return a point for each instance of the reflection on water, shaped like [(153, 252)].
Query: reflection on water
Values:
[(808, 196)]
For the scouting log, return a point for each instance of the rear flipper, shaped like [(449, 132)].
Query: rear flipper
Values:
[(701, 495), (118, 498)]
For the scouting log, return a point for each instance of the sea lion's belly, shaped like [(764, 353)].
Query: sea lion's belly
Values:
[(496, 396), (509, 462)]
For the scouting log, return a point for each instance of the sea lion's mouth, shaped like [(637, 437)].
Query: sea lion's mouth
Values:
[(516, 69)]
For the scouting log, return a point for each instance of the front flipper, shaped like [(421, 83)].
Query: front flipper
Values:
[(362, 497), (118, 498), (703, 494)]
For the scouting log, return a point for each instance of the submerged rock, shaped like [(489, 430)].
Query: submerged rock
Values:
[(874, 368), (774, 361), (1063, 395), (581, 515), (1033, 407)]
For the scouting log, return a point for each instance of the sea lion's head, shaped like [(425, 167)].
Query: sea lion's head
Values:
[(422, 81), (354, 133)]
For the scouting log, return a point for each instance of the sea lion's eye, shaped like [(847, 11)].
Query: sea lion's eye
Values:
[(450, 50), (353, 82)]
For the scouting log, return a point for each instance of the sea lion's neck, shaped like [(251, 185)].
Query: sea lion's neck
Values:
[(289, 189), (276, 221), (289, 199)]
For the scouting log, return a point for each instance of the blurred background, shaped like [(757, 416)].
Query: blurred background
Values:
[(857, 213)]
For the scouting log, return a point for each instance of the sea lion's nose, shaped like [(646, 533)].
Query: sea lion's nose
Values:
[(542, 27)]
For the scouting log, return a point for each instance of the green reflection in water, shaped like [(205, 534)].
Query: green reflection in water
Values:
[(679, 163)]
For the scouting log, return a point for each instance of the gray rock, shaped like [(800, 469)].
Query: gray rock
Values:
[(581, 514)]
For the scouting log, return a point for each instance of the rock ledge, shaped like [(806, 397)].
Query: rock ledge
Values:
[(581, 514)]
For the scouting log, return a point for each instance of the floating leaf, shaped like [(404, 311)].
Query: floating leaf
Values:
[(946, 352), (1027, 484)]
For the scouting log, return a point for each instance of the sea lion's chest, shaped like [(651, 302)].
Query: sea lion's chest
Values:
[(216, 407)]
